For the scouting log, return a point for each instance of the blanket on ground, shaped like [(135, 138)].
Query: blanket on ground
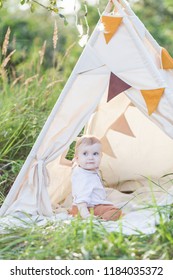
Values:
[(142, 210)]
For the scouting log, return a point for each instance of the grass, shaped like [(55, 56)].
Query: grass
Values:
[(84, 240), (26, 100), (27, 97)]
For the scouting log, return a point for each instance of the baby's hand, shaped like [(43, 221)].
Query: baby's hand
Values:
[(85, 213), (83, 210)]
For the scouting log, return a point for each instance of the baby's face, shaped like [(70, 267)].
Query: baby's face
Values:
[(89, 156)]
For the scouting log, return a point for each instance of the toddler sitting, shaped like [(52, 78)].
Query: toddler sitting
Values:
[(87, 187)]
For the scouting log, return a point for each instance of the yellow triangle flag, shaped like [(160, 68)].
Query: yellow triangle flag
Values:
[(167, 60), (111, 25), (152, 98)]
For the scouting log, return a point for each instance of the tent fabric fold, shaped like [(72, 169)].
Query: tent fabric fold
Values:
[(119, 92)]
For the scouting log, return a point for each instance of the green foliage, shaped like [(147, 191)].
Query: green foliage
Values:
[(157, 16), (84, 240), (50, 6), (35, 62)]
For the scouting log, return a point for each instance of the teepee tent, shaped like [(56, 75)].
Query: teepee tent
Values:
[(120, 90)]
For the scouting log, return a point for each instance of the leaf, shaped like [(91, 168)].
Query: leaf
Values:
[(55, 10), (22, 2), (61, 16), (65, 20), (167, 175), (32, 8)]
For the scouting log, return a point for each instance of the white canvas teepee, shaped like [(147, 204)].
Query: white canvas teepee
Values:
[(121, 91)]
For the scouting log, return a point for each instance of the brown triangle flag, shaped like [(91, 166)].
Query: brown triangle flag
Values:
[(106, 147), (131, 105), (167, 60), (121, 125), (116, 86), (152, 98), (111, 25)]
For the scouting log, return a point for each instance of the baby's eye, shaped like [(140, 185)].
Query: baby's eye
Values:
[(96, 154), (85, 153)]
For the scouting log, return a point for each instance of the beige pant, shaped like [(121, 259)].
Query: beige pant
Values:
[(107, 212)]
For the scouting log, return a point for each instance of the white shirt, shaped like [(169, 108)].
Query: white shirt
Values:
[(87, 187)]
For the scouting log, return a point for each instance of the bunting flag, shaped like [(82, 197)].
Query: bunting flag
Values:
[(106, 147), (116, 86), (131, 105), (111, 25), (167, 60), (64, 161), (152, 98), (121, 125)]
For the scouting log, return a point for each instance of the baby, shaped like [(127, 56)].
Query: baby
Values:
[(87, 188)]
